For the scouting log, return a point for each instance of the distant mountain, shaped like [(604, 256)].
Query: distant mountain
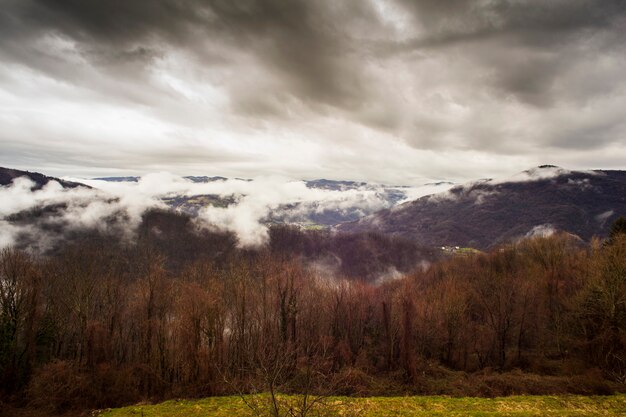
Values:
[(489, 212), (117, 179), (191, 178), (317, 213), (204, 178), (308, 214), (7, 175), (325, 184), (192, 204)]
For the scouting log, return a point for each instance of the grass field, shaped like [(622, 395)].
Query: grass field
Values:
[(614, 405)]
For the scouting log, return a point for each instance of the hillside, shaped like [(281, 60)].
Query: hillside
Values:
[(489, 212), (7, 175)]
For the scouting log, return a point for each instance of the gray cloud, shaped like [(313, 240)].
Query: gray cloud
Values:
[(295, 87), (302, 44)]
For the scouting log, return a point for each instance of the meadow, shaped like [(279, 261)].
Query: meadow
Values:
[(567, 405)]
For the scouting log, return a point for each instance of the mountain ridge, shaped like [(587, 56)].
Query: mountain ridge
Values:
[(479, 214), (486, 213), (7, 175)]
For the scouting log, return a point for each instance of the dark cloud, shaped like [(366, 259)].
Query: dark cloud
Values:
[(531, 19), (527, 45), (503, 78), (300, 43)]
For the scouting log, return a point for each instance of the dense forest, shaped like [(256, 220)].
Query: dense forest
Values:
[(102, 321)]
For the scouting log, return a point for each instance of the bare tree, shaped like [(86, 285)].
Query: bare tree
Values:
[(19, 303)]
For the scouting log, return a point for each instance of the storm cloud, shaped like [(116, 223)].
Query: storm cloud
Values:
[(384, 90)]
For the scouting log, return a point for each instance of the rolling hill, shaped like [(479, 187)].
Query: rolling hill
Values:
[(490, 212), (7, 175)]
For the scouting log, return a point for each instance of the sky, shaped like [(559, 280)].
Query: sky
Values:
[(389, 91)]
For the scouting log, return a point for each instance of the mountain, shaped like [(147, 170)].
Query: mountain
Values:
[(320, 214), (489, 212), (7, 175), (191, 178), (204, 178), (310, 214), (192, 204), (479, 214), (333, 185), (118, 179)]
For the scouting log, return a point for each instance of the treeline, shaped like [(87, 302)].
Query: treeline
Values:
[(105, 323)]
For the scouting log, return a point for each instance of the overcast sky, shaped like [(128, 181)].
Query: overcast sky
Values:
[(382, 90)]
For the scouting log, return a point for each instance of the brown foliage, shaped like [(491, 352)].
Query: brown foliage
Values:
[(109, 324)]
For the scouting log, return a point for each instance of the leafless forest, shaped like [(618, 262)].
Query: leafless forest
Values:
[(102, 322)]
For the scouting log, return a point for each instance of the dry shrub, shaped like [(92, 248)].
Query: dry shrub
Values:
[(147, 381), (493, 384), (593, 382), (519, 383), (58, 386), (62, 385), (546, 366), (353, 381)]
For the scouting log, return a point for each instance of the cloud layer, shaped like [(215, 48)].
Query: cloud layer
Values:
[(386, 90), (119, 206)]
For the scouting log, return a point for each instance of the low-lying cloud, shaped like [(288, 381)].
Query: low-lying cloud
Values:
[(119, 206)]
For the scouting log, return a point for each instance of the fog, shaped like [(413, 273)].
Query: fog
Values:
[(119, 206)]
